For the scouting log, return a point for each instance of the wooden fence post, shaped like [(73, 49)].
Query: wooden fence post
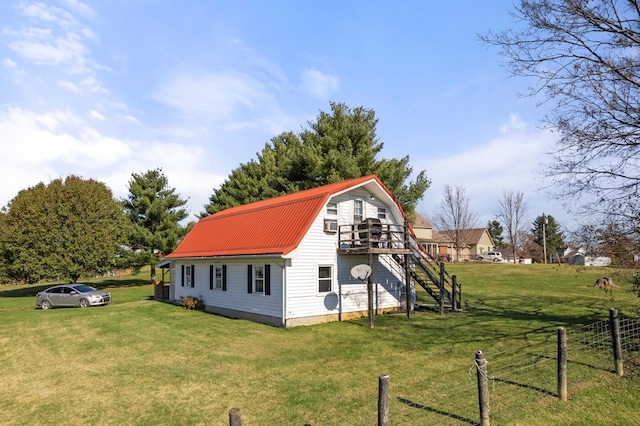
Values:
[(454, 291), (615, 341), (441, 296), (483, 388), (383, 400), (562, 363), (234, 417)]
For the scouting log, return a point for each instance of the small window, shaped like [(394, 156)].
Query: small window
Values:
[(324, 279), (258, 281), (332, 209), (218, 277), (358, 211), (188, 276), (382, 212)]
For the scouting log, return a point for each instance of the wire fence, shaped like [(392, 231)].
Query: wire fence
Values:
[(521, 377)]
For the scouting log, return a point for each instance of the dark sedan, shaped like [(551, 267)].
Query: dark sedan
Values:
[(71, 295)]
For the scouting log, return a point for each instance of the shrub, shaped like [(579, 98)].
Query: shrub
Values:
[(193, 303)]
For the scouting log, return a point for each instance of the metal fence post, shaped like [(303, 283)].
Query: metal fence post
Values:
[(483, 388), (562, 363), (615, 341)]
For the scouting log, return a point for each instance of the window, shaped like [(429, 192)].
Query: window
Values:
[(324, 279), (189, 276), (332, 209), (188, 272), (382, 212), (259, 279), (358, 211), (218, 277)]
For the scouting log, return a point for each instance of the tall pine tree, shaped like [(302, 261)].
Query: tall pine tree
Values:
[(554, 236), (155, 211), (338, 146)]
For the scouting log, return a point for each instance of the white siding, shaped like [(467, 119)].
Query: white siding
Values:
[(236, 296), (320, 248)]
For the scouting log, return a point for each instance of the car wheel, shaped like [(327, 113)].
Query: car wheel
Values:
[(84, 303), (496, 260), (479, 257), (45, 304)]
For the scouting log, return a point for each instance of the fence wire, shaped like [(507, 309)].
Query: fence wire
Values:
[(520, 377)]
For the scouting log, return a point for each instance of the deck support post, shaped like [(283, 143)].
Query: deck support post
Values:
[(370, 289), (407, 272), (441, 290)]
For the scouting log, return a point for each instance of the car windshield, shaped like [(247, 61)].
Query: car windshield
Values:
[(83, 288)]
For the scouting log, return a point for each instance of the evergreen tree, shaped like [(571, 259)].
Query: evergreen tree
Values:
[(337, 146), (495, 230), (554, 237), (155, 211), (62, 230)]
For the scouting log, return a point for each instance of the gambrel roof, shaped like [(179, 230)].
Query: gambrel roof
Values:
[(273, 226)]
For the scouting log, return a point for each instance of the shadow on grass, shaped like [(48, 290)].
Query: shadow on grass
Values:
[(435, 410), (26, 291), (525, 386)]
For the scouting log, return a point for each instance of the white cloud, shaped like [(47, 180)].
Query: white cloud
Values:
[(96, 115), (46, 146), (318, 84), (51, 36), (93, 85), (40, 12), (80, 8), (69, 85), (511, 161), (9, 63), (130, 119), (214, 95)]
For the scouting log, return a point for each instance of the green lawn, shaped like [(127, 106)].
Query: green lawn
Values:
[(138, 361)]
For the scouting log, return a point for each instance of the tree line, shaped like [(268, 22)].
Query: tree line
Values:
[(73, 227)]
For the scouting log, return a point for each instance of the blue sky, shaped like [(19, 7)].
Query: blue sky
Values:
[(104, 89)]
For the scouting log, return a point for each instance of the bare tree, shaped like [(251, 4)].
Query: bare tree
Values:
[(455, 218), (512, 211), (583, 58)]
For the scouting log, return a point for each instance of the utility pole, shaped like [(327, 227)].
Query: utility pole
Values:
[(544, 237)]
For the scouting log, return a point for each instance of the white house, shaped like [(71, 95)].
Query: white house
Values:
[(287, 261)]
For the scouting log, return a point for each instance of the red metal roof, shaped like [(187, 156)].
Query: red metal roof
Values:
[(274, 226)]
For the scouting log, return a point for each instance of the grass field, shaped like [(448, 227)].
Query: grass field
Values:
[(142, 362)]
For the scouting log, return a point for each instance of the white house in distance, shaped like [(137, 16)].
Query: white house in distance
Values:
[(287, 261)]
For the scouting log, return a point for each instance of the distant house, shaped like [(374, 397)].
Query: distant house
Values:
[(287, 261), (478, 241), (423, 230)]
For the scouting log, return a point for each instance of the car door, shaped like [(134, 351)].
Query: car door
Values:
[(55, 296), (69, 297)]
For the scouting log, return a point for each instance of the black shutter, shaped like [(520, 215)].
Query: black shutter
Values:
[(182, 281), (267, 280), (210, 277), (193, 276), (224, 277), (249, 279)]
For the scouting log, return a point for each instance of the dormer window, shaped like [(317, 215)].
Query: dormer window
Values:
[(332, 209)]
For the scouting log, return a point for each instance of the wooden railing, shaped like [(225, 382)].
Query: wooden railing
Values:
[(372, 234)]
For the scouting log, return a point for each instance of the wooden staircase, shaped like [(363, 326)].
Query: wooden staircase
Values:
[(433, 278)]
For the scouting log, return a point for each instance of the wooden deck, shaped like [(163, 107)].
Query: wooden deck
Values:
[(372, 237)]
